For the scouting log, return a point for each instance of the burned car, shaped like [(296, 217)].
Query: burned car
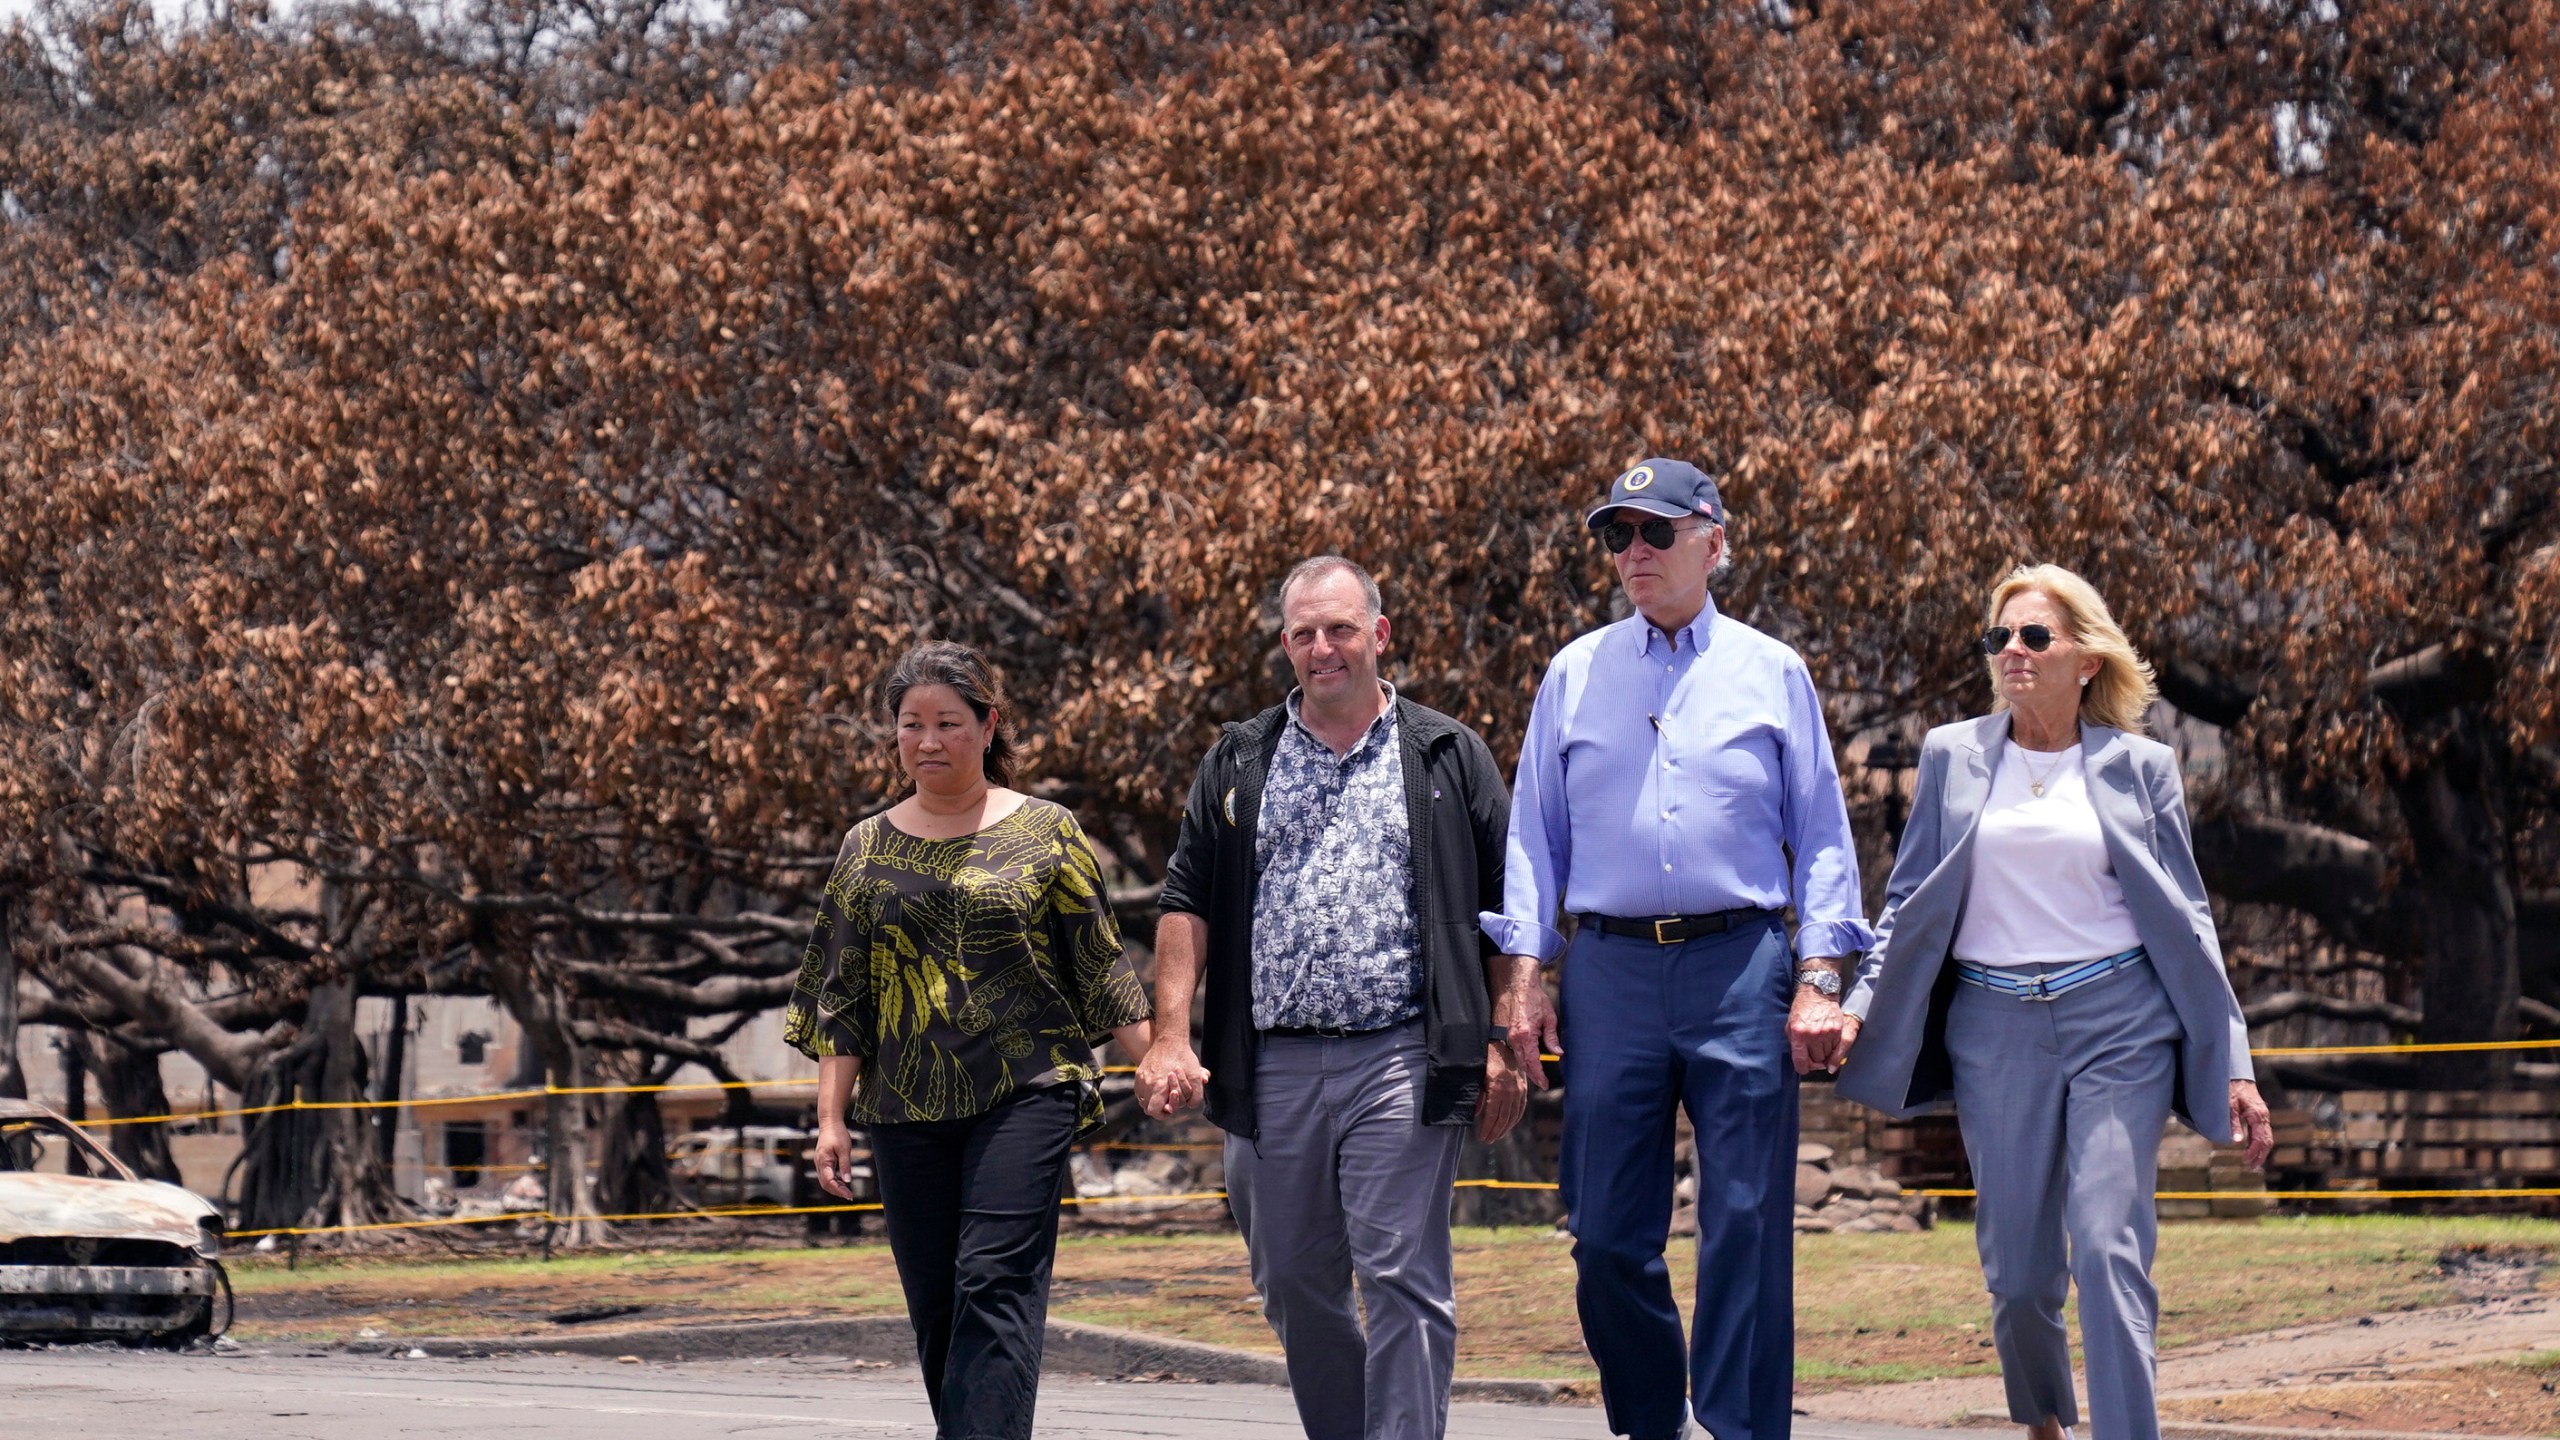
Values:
[(88, 1252)]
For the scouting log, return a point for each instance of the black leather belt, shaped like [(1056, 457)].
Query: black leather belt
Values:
[(1673, 929), (1325, 1032), (1493, 1034)]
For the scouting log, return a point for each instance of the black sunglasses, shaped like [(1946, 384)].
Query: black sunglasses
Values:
[(1996, 639), (1618, 534)]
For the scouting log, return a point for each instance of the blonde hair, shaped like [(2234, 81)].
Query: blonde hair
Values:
[(2120, 694)]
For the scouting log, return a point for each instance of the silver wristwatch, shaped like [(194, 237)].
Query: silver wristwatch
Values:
[(1824, 980)]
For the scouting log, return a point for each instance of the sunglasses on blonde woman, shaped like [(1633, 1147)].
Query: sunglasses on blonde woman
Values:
[(1996, 639)]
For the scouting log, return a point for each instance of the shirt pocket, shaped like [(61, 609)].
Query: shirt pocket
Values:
[(1743, 762)]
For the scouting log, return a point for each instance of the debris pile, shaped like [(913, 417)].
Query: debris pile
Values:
[(1162, 1185), (1852, 1199)]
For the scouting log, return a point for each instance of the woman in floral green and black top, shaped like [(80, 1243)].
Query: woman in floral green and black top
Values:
[(963, 963)]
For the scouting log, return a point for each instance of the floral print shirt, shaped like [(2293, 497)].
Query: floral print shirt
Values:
[(1334, 941)]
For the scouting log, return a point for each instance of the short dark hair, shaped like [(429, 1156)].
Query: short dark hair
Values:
[(942, 662), (1317, 567)]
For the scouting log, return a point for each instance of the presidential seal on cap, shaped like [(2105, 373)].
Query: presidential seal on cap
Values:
[(1669, 488)]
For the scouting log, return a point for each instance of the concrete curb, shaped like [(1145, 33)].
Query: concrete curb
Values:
[(1071, 1349)]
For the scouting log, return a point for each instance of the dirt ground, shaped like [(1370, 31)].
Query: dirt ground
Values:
[(2515, 1399), (1871, 1309)]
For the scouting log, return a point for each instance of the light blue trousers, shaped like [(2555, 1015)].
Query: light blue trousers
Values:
[(2062, 1103)]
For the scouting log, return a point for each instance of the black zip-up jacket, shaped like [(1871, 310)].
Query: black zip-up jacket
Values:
[(1459, 813)]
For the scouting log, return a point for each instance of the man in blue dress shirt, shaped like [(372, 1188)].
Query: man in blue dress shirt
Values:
[(1676, 795)]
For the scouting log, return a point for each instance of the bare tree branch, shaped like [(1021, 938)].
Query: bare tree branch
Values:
[(2296, 1002)]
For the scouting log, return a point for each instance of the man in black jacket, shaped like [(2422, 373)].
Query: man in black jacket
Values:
[(1335, 856)]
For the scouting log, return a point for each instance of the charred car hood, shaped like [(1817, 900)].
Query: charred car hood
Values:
[(80, 1207)]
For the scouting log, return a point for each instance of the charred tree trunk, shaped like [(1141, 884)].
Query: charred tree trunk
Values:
[(540, 1004), (75, 1088), (129, 1082), (359, 1187), (315, 1167), (13, 1079), (75, 1076), (282, 1151), (391, 1086), (2463, 872), (633, 1178)]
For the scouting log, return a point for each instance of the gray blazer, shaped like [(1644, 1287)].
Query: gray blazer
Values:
[(1899, 1064)]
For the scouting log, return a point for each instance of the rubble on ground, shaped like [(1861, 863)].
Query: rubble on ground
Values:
[(1853, 1199), (1830, 1198)]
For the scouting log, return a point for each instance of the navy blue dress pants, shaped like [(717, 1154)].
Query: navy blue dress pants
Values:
[(1701, 1024)]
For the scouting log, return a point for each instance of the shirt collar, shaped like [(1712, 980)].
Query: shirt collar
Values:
[(1384, 724), (1695, 634)]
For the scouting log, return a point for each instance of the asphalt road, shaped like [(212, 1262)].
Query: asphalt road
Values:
[(296, 1394)]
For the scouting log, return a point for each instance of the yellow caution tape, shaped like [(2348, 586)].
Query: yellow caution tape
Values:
[(547, 1091), (717, 1212), (752, 1212), (2444, 1049)]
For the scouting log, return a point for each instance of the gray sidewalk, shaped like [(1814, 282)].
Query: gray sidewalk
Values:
[(294, 1393)]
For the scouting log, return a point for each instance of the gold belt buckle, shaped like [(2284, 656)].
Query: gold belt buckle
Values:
[(1658, 937)]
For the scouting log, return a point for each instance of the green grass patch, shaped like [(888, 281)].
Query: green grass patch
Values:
[(1869, 1308)]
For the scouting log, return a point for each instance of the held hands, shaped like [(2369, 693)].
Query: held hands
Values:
[(1819, 1032), (1170, 1078), (2250, 1121)]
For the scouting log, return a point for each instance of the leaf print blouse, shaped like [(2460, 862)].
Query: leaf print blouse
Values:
[(964, 971)]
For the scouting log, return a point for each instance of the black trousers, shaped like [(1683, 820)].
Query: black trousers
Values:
[(972, 1212)]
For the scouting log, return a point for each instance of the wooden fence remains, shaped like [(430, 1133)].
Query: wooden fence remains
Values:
[(2383, 1140), (2377, 1140)]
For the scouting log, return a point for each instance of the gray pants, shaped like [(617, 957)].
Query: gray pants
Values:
[(2062, 1103), (1345, 1180)]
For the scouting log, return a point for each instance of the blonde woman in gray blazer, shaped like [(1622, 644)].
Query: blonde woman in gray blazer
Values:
[(2047, 961)]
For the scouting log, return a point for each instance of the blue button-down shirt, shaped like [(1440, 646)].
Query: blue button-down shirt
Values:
[(1674, 775)]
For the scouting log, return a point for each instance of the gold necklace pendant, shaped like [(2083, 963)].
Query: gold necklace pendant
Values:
[(2035, 782)]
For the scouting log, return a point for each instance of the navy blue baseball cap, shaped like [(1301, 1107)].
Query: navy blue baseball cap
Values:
[(1669, 488)]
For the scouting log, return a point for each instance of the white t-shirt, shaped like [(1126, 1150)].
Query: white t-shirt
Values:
[(2043, 890)]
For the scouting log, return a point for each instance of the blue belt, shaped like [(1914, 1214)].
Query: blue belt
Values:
[(2000, 980)]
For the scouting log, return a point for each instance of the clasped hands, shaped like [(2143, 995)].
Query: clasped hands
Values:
[(1170, 1076)]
